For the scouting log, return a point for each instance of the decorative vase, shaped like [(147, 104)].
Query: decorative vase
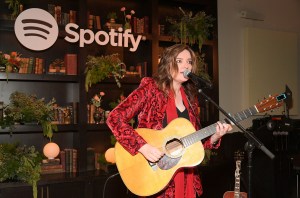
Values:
[(15, 69), (98, 115)]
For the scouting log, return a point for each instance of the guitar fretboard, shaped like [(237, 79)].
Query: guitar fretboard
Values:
[(211, 129)]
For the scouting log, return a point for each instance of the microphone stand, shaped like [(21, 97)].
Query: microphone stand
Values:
[(251, 144)]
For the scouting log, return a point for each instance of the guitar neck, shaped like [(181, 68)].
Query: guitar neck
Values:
[(237, 179), (211, 129)]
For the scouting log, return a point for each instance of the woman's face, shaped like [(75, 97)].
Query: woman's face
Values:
[(184, 62)]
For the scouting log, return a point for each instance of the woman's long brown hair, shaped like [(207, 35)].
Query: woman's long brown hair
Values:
[(167, 63)]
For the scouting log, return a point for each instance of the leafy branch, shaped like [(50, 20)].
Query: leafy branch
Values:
[(191, 29)]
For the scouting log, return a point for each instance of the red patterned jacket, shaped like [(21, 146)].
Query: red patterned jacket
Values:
[(149, 103)]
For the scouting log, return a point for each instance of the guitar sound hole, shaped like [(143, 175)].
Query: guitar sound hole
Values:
[(174, 148)]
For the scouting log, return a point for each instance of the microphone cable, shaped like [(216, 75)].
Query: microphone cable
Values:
[(105, 183)]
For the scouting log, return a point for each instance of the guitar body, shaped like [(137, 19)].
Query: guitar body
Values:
[(143, 179), (230, 194)]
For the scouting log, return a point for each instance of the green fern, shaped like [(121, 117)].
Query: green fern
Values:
[(20, 163), (26, 108), (191, 29), (99, 68)]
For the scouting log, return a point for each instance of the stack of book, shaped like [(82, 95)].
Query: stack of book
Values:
[(68, 159), (140, 25), (32, 65), (62, 18), (67, 162), (50, 166)]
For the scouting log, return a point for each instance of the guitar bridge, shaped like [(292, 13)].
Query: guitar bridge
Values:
[(153, 165)]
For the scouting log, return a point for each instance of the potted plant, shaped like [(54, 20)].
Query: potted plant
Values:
[(20, 163), (127, 17), (25, 108), (16, 6), (99, 68), (112, 16), (99, 112), (3, 62), (191, 29), (10, 63)]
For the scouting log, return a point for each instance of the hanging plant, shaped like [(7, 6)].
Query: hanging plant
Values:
[(99, 68), (191, 29)]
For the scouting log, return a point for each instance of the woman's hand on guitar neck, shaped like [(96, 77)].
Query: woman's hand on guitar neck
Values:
[(221, 129), (151, 153)]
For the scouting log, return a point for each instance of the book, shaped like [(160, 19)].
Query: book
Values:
[(57, 14), (90, 159), (146, 24), (98, 23), (144, 69), (73, 108), (65, 18), (74, 161), (31, 65), (70, 63), (50, 169), (97, 164), (50, 166), (63, 159), (72, 16), (39, 66), (90, 21), (51, 9), (49, 162)]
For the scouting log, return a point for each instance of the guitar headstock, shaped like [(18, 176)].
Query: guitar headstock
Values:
[(272, 102), (239, 155)]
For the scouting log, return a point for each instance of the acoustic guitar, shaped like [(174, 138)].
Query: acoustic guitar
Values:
[(182, 147), (239, 156)]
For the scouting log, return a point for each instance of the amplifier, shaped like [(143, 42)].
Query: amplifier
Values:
[(279, 132)]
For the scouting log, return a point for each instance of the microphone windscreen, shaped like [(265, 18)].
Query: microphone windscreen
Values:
[(186, 73)]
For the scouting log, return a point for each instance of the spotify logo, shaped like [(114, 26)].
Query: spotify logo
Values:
[(36, 29)]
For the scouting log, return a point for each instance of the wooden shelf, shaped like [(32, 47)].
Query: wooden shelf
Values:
[(61, 177), (34, 128), (38, 77), (97, 127), (134, 79), (165, 38)]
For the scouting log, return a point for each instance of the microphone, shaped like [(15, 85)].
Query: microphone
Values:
[(197, 79)]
